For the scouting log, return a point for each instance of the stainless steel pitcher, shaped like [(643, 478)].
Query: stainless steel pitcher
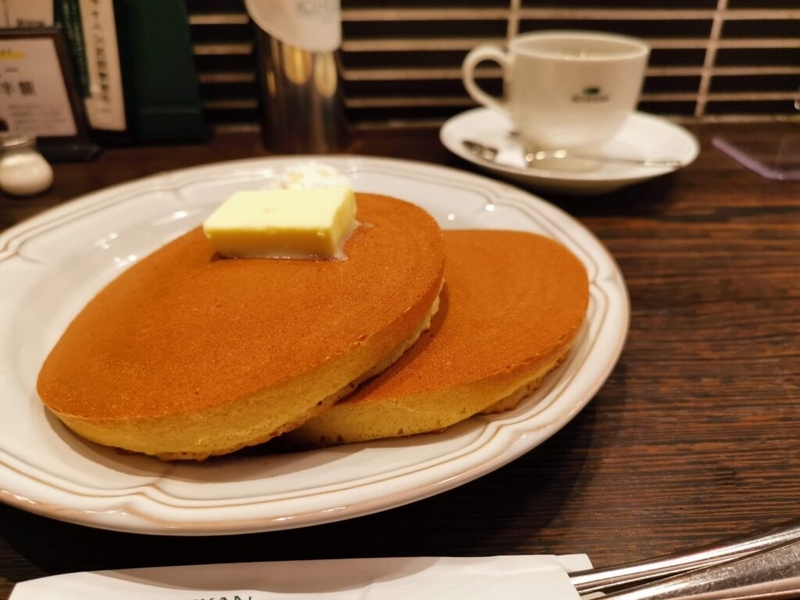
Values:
[(302, 103)]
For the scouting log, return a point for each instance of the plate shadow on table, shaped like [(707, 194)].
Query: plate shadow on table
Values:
[(638, 199), (641, 199)]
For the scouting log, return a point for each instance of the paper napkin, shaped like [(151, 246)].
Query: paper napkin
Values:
[(511, 154), (530, 577)]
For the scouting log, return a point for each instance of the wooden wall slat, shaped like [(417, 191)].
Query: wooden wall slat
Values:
[(711, 59)]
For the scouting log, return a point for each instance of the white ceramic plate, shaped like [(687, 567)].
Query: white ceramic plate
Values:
[(50, 266), (642, 136)]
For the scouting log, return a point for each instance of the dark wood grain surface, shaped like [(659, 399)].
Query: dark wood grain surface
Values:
[(694, 437)]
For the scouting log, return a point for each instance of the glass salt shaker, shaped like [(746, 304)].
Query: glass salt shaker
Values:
[(23, 171)]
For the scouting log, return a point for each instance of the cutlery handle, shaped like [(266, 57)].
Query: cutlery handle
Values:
[(771, 573), (604, 578), (641, 162), (531, 158)]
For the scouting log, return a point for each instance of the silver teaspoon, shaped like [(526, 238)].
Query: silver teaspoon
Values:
[(489, 153)]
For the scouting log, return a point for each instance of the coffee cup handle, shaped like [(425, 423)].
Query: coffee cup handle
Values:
[(478, 55)]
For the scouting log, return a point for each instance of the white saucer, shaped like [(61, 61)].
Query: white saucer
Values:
[(642, 136)]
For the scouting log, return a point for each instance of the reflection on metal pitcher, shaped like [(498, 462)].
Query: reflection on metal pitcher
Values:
[(302, 105)]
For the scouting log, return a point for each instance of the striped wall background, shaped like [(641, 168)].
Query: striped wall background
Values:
[(712, 60)]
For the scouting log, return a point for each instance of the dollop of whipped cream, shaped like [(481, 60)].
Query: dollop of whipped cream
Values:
[(312, 174)]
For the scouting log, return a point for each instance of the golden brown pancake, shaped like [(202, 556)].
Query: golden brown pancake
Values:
[(511, 307), (186, 355)]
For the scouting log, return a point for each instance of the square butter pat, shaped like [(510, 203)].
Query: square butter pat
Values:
[(283, 223)]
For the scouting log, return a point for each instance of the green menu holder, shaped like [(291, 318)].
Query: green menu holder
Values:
[(158, 71)]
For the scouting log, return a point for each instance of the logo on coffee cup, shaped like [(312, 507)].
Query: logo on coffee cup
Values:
[(593, 94)]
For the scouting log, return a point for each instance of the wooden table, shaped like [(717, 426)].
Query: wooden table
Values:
[(693, 437)]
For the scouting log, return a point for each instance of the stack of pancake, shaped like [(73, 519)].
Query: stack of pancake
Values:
[(186, 355)]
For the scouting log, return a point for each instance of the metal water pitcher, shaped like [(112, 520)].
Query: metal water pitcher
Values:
[(300, 75)]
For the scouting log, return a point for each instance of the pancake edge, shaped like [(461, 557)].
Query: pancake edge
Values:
[(189, 437), (494, 394)]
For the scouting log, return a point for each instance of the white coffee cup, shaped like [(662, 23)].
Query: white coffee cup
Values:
[(564, 89)]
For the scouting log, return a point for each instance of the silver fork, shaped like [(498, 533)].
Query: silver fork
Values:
[(646, 570), (766, 575)]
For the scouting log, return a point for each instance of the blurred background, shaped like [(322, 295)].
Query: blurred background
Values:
[(177, 70), (712, 60)]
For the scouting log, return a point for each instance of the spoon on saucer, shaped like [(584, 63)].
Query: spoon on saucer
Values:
[(489, 153)]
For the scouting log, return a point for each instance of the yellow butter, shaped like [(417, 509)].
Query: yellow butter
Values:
[(293, 223)]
